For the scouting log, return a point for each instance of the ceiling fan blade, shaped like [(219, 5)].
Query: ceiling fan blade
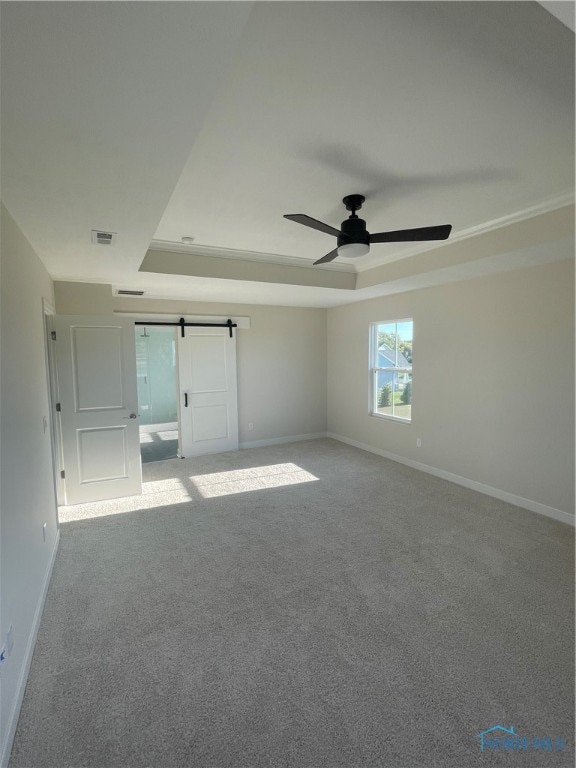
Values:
[(308, 221), (329, 257), (410, 235)]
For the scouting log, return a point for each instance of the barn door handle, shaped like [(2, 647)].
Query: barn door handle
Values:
[(185, 399)]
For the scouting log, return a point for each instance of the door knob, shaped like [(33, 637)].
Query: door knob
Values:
[(132, 416)]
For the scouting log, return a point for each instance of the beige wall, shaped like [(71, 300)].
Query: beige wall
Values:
[(83, 298), (27, 490), (281, 359), (493, 392)]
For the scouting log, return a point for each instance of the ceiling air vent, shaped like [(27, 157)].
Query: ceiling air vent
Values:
[(130, 293), (103, 238)]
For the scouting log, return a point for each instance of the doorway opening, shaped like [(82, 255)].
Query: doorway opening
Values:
[(157, 376)]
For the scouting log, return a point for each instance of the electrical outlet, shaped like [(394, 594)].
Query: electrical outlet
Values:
[(418, 442), (250, 426), (44, 528)]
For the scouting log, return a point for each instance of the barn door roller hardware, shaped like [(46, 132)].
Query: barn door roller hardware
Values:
[(182, 324)]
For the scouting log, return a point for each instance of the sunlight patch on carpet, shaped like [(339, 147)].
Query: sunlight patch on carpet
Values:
[(216, 484), (155, 494), (177, 490)]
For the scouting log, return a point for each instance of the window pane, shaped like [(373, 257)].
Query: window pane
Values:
[(394, 394), (394, 343), (386, 345)]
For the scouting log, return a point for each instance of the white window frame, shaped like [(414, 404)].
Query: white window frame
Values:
[(373, 371)]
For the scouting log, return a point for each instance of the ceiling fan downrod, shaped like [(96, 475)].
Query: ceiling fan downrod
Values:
[(353, 203)]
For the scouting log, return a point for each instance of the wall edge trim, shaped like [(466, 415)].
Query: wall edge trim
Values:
[(473, 485), (30, 645)]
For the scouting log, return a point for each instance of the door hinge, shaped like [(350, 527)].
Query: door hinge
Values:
[(58, 407), (62, 474), (53, 335)]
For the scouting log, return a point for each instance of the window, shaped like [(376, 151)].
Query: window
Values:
[(391, 369)]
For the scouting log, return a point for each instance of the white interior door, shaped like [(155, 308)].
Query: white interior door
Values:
[(96, 366), (208, 391)]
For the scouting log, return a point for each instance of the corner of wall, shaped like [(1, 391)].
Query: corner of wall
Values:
[(29, 516)]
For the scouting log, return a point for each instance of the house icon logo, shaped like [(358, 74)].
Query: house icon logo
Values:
[(488, 737), (499, 738)]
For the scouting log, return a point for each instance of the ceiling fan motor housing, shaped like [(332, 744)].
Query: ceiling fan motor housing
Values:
[(353, 230)]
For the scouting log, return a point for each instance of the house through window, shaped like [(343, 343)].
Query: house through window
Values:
[(391, 369)]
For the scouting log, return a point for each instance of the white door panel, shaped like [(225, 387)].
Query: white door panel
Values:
[(207, 369), (96, 364), (208, 392), (209, 422)]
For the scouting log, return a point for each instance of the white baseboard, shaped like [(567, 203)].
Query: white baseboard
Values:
[(280, 440), (488, 490), (17, 703)]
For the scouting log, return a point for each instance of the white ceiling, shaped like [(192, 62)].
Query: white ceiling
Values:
[(157, 120)]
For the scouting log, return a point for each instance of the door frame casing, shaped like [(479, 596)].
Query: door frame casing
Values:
[(54, 425)]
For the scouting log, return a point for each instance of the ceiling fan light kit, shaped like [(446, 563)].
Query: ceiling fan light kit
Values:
[(353, 250), (353, 238)]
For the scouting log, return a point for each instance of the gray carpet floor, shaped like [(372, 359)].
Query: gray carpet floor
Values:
[(307, 605), (167, 449), (158, 444)]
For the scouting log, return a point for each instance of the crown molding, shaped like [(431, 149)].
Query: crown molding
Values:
[(233, 253), (547, 206)]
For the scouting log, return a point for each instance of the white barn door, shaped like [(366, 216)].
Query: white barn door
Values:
[(96, 368), (208, 391)]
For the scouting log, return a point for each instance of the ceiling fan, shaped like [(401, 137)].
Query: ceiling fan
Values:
[(355, 241)]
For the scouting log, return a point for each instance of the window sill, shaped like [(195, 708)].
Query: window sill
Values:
[(385, 417)]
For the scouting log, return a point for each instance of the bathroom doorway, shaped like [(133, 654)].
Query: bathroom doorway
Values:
[(156, 370)]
